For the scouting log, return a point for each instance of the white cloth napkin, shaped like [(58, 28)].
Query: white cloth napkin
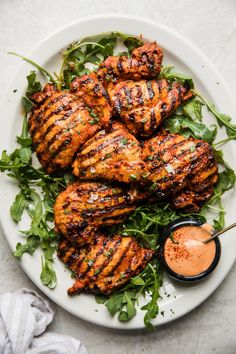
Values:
[(24, 317)]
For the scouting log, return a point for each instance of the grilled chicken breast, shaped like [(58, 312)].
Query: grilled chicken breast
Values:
[(112, 156), (176, 163), (142, 105), (106, 264), (62, 121), (84, 207), (145, 63), (58, 127)]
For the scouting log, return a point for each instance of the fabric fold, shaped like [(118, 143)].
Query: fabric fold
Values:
[(24, 317)]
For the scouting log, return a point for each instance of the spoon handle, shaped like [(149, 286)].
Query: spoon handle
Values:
[(220, 233)]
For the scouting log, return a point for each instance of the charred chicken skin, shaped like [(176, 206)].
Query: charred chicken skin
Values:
[(84, 207), (142, 105), (112, 156), (176, 163), (145, 63), (61, 122), (106, 264)]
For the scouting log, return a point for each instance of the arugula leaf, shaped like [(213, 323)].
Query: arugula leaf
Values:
[(125, 300), (37, 211), (152, 307), (188, 127), (48, 275), (40, 68), (168, 74), (27, 104), (93, 51), (101, 299), (18, 206), (33, 85), (222, 119), (115, 303), (193, 110), (28, 247)]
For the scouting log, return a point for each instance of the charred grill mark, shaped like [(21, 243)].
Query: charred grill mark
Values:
[(103, 211), (74, 261), (119, 218), (38, 117), (164, 110), (119, 65), (166, 138), (171, 148), (97, 89), (61, 147), (152, 119), (100, 252), (186, 165), (128, 95), (151, 93), (140, 95), (75, 228), (65, 116), (131, 117), (86, 81), (173, 101), (118, 103), (125, 250), (110, 257), (108, 142), (93, 189), (160, 85)]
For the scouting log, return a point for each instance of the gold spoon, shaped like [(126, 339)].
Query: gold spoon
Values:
[(219, 233)]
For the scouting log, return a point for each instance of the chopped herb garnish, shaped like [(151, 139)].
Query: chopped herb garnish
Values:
[(90, 262), (108, 156), (133, 176), (124, 141), (94, 121)]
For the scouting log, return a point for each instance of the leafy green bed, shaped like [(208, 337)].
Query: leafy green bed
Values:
[(38, 191)]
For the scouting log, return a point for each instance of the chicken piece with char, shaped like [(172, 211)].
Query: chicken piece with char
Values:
[(112, 156), (176, 163), (61, 122), (84, 207), (145, 62), (104, 265), (142, 105), (91, 91)]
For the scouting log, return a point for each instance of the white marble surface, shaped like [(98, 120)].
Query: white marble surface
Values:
[(210, 25)]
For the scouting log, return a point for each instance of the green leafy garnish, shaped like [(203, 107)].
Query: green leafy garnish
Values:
[(37, 66), (124, 301), (168, 74), (93, 51)]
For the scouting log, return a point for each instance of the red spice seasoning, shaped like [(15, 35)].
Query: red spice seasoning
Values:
[(185, 253)]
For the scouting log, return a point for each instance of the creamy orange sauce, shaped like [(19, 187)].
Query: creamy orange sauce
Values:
[(187, 255)]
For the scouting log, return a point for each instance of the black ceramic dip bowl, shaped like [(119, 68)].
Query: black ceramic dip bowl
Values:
[(183, 254)]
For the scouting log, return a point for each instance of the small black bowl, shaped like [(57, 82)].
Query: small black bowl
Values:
[(174, 225)]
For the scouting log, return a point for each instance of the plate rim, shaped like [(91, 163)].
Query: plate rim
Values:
[(195, 49)]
